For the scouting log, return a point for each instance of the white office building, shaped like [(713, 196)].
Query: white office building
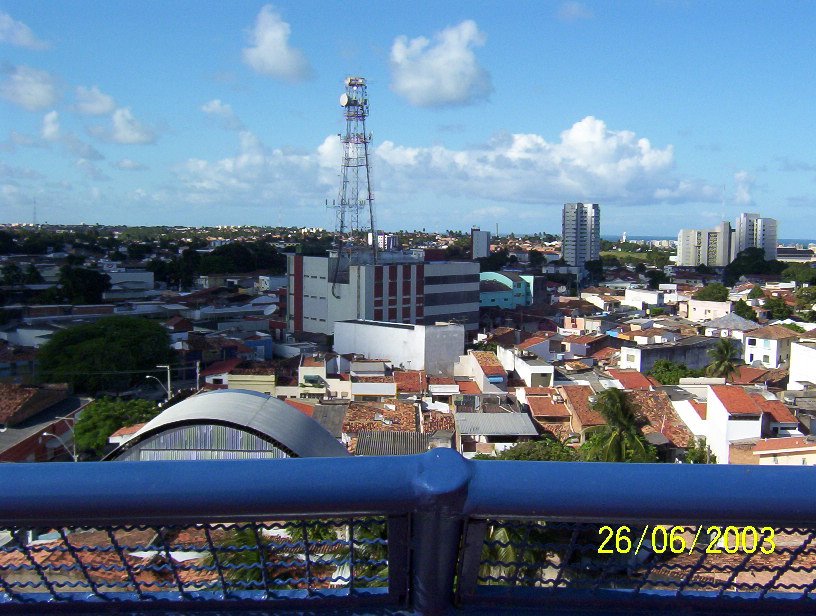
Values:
[(581, 233), (399, 288), (755, 232)]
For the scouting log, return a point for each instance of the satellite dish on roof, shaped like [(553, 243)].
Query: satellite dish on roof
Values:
[(347, 101)]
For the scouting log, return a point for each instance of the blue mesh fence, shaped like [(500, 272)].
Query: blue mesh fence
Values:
[(635, 559), (316, 558)]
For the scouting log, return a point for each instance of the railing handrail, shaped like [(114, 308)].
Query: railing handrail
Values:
[(181, 492)]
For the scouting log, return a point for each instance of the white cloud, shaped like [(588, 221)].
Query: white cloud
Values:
[(443, 71), (590, 162), (92, 101), (743, 186), (128, 164), (269, 52), (125, 128), (18, 34), (30, 88), (223, 114), (80, 149), (573, 11), (51, 126), (511, 175)]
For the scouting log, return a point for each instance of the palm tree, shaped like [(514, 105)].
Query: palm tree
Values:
[(724, 356), (619, 440)]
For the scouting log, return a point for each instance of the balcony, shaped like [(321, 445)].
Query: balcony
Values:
[(422, 534)]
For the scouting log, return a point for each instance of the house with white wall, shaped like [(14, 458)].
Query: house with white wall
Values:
[(769, 345), (802, 365), (701, 311)]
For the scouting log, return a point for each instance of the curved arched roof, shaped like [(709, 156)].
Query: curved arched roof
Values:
[(247, 410)]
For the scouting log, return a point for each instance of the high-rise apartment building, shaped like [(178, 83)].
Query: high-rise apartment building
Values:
[(479, 243), (704, 247), (581, 233), (752, 231)]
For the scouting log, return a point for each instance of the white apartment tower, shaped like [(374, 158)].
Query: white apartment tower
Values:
[(755, 232), (581, 233), (479, 243), (704, 247)]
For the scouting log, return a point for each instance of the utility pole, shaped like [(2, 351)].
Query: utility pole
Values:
[(198, 375)]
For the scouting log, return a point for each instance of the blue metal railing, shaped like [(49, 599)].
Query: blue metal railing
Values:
[(428, 533)]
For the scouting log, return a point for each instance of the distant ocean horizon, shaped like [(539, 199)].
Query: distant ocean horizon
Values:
[(614, 238)]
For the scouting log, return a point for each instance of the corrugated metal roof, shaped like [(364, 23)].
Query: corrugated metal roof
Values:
[(392, 443), (251, 410), (509, 424)]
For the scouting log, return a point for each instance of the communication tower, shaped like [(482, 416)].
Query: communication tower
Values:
[(355, 194)]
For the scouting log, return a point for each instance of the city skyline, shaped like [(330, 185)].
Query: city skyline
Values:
[(482, 115)]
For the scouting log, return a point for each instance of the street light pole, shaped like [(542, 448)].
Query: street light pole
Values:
[(72, 452), (166, 391), (169, 387)]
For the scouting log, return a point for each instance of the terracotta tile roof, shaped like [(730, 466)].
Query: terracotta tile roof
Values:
[(360, 416), (488, 362), (441, 380), (745, 375), (605, 353), (531, 342), (547, 406), (700, 407), (772, 332), (11, 354), (306, 409), (776, 408), (584, 339), (577, 399), (221, 367), (12, 399), (538, 391), (656, 408), (735, 400), (470, 388), (435, 420), (127, 430), (560, 430), (373, 379), (410, 381), (788, 442), (313, 362), (630, 379)]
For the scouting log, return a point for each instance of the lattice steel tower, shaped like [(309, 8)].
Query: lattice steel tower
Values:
[(355, 189)]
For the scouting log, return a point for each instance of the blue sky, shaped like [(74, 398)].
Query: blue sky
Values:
[(670, 114)]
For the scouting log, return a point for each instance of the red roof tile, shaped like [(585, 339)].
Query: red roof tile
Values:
[(776, 408), (546, 406), (780, 444), (630, 379), (700, 407), (127, 430), (577, 398), (409, 381), (772, 332), (470, 388), (306, 409), (221, 367), (489, 363)]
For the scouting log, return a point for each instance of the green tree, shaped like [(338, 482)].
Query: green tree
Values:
[(756, 292), (724, 357), (805, 298), (110, 354), (619, 440), (670, 373), (801, 273), (778, 308), (795, 328), (742, 309), (83, 286), (101, 418), (656, 278), (595, 269), (548, 449), (698, 452), (751, 261), (12, 274), (536, 258), (32, 275), (714, 292)]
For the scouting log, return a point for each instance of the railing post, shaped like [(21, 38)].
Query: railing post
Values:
[(436, 529)]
